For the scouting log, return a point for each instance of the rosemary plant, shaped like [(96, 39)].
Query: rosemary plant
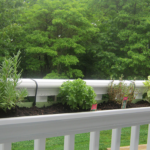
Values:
[(9, 77)]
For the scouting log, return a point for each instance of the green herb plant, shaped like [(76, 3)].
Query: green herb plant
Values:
[(147, 90), (9, 77), (117, 92), (77, 94)]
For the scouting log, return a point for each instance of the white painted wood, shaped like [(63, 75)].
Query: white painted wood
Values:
[(48, 87), (1, 146), (55, 99), (47, 91), (94, 140), (148, 138), (69, 142), (138, 95), (98, 97), (29, 128), (100, 90), (115, 140), (41, 98), (134, 140), (5, 146), (39, 144), (56, 83), (45, 126)]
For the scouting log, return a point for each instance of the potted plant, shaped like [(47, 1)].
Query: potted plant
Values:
[(9, 77), (77, 94), (121, 93)]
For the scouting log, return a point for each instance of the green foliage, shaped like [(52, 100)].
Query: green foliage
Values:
[(72, 38), (54, 35), (122, 44), (147, 85), (71, 73), (9, 77), (117, 92), (77, 94), (10, 29), (54, 75)]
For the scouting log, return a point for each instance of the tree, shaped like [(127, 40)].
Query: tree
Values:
[(55, 32), (122, 45), (9, 27)]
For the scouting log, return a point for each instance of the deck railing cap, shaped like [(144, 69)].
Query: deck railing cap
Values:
[(55, 83)]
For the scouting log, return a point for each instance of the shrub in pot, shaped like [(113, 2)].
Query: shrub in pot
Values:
[(117, 92), (77, 94)]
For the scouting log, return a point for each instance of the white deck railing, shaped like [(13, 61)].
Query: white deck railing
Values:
[(50, 87), (41, 127)]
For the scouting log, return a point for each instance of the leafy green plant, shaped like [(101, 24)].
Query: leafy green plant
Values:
[(9, 77), (77, 94), (147, 90), (116, 92)]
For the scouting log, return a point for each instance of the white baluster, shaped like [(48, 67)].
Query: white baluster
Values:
[(41, 98), (148, 138), (94, 140), (39, 144), (5, 146), (69, 142), (98, 97), (115, 139), (134, 140), (55, 98)]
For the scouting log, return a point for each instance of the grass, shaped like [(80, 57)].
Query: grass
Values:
[(82, 140)]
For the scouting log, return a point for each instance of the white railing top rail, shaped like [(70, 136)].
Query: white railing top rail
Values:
[(55, 83), (48, 87), (28, 128)]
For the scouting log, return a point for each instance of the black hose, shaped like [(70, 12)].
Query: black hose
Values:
[(34, 103)]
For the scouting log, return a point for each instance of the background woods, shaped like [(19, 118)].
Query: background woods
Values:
[(95, 39)]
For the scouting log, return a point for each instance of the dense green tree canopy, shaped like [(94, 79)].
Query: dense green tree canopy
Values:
[(123, 41), (55, 32), (9, 28), (70, 38)]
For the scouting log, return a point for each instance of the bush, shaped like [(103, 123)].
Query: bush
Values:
[(9, 77), (121, 90), (77, 94)]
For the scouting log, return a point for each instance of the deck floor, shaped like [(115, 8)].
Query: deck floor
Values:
[(141, 147)]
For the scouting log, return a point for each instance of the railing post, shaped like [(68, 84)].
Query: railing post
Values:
[(69, 142), (5, 146), (115, 139), (148, 138), (39, 144), (134, 140), (94, 140)]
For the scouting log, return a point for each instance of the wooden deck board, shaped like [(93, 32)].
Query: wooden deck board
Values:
[(140, 147)]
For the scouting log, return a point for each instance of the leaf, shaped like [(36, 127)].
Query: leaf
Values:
[(148, 93)]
